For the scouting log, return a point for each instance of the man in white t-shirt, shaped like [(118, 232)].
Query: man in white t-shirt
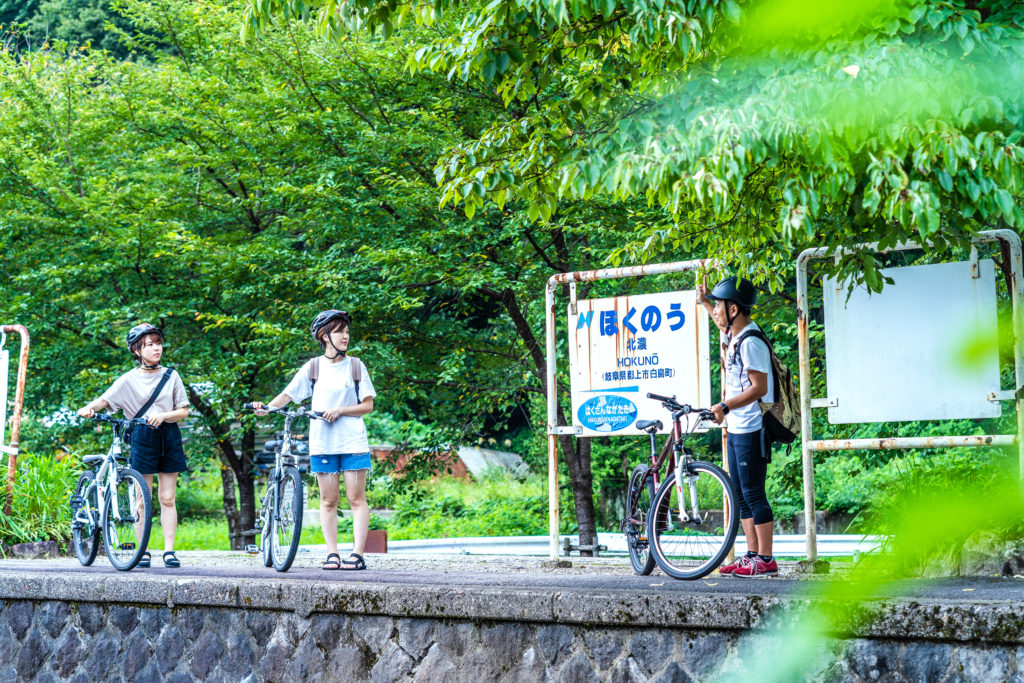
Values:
[(338, 446), (748, 382)]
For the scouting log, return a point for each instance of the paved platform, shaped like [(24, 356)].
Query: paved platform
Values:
[(603, 574)]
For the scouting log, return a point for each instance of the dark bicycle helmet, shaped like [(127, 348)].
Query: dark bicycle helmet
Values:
[(324, 317), (140, 331), (738, 290)]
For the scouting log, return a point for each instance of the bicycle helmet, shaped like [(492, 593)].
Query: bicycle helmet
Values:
[(324, 317), (140, 331), (737, 290)]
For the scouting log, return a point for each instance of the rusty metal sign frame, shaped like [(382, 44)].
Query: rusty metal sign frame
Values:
[(19, 403), (809, 445), (554, 429)]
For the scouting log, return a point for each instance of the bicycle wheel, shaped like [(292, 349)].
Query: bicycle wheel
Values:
[(287, 519), (85, 532), (266, 533), (127, 520), (691, 549), (639, 494)]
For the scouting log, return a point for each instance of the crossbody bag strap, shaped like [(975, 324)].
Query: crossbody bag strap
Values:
[(156, 392)]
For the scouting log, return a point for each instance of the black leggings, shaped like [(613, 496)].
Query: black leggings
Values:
[(748, 467)]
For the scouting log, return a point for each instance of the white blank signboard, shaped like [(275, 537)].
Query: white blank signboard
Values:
[(899, 355)]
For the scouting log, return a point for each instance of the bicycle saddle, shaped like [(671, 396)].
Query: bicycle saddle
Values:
[(90, 459), (644, 425)]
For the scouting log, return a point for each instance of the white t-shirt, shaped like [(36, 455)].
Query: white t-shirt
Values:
[(755, 356), (334, 389)]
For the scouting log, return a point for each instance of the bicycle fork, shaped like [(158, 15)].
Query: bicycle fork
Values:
[(687, 513)]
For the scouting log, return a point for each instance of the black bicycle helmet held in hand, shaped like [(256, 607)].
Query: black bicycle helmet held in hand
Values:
[(737, 290), (324, 317)]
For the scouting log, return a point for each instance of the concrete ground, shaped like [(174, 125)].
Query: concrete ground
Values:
[(523, 573)]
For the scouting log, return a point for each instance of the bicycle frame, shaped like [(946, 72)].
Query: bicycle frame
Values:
[(106, 481), (679, 458)]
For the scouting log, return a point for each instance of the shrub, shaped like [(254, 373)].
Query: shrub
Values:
[(40, 510)]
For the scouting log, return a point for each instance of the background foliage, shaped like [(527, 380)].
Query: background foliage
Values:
[(429, 165)]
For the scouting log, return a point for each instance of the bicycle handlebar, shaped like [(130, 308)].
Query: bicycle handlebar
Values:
[(107, 417), (672, 404), (301, 412)]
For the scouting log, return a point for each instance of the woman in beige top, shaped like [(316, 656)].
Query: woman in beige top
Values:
[(157, 449)]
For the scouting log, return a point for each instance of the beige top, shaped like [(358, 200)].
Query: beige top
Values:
[(132, 389)]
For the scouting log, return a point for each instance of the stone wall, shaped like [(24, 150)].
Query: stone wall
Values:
[(148, 633)]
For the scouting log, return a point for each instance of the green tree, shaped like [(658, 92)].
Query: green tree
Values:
[(228, 194), (749, 124), (75, 22)]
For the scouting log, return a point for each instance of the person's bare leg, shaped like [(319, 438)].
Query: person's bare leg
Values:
[(141, 511), (330, 492), (167, 485), (355, 491), (749, 530), (763, 533)]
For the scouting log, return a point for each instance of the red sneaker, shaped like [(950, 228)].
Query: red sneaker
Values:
[(736, 564), (756, 568)]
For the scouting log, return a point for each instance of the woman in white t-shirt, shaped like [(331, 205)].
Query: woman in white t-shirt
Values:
[(338, 446)]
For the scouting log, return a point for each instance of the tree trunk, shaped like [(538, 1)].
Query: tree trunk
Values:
[(235, 467), (247, 491), (576, 455), (227, 480)]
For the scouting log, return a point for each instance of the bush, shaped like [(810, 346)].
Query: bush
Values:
[(200, 491), (40, 510), (498, 505)]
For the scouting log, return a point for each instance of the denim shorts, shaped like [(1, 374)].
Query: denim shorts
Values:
[(332, 463)]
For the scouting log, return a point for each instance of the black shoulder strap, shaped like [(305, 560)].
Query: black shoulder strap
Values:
[(156, 392), (758, 334)]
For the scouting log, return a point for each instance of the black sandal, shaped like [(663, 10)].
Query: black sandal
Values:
[(171, 561), (353, 566), (330, 564), (144, 562)]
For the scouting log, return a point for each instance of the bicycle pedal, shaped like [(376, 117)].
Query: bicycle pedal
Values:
[(252, 549)]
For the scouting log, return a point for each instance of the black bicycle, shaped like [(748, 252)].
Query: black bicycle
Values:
[(114, 498), (687, 523), (279, 523)]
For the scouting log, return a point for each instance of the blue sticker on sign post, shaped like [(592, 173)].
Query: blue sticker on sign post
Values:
[(607, 413)]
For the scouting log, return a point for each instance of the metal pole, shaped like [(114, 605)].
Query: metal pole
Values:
[(549, 381), (19, 402), (1012, 241), (806, 435)]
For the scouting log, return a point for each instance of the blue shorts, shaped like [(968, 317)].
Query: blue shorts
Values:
[(333, 463)]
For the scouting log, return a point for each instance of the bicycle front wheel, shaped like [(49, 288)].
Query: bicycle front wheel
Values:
[(690, 537), (287, 519), (85, 531), (127, 520), (638, 505)]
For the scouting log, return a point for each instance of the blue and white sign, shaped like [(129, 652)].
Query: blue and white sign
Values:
[(622, 348)]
